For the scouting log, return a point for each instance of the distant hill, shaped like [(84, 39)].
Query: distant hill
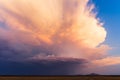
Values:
[(93, 74)]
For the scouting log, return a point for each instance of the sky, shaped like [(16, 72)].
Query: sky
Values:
[(110, 15), (39, 37)]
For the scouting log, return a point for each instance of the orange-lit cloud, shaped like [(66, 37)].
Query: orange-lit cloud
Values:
[(108, 61), (59, 28), (101, 65)]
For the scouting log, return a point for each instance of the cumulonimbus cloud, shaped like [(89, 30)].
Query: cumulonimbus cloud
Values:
[(34, 29)]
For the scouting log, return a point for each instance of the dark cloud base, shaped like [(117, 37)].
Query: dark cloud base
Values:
[(40, 67), (19, 62)]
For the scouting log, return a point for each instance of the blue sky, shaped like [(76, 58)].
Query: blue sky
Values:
[(109, 13)]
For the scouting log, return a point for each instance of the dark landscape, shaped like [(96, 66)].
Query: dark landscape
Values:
[(60, 78)]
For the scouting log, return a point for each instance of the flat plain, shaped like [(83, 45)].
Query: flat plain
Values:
[(59, 77)]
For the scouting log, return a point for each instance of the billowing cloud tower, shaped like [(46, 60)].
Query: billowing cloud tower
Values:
[(50, 30)]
